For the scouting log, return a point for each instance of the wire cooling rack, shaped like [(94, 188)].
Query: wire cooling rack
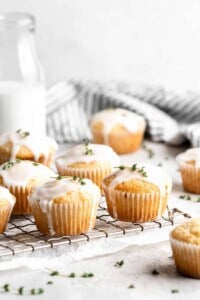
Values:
[(22, 235)]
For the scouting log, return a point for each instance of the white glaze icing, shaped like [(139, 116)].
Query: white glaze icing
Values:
[(100, 153), (20, 173), (45, 194), (6, 195), (37, 144), (155, 175), (111, 117), (191, 154)]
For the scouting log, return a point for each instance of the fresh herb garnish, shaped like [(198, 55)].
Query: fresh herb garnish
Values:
[(119, 264), (50, 282), (36, 164), (88, 151), (186, 197), (198, 199), (10, 164), (6, 287), (72, 275), (155, 272), (22, 133), (134, 167), (174, 291), (38, 291), (131, 286), (159, 164), (87, 275), (21, 290), (54, 273), (80, 180), (120, 167)]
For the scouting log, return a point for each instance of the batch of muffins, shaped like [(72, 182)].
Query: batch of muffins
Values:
[(65, 202)]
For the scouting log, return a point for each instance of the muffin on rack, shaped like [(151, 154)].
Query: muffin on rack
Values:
[(7, 202), (65, 206), (185, 243), (24, 145), (88, 161), (119, 128), (21, 177), (138, 193), (189, 164)]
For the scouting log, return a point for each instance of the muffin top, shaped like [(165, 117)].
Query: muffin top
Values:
[(5, 195), (191, 156), (38, 145), (140, 178), (118, 116), (55, 191), (22, 172), (89, 153), (188, 232)]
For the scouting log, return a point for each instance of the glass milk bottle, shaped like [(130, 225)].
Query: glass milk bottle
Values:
[(22, 90)]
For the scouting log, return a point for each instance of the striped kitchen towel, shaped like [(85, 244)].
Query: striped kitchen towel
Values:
[(171, 118)]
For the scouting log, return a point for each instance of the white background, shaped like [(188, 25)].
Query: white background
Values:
[(149, 40)]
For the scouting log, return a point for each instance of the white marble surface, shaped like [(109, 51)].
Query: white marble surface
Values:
[(146, 40), (141, 252)]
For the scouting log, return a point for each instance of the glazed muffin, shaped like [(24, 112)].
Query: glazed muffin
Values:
[(66, 206), (185, 243), (7, 201), (88, 161), (138, 193), (21, 177), (25, 146), (189, 164), (119, 128)]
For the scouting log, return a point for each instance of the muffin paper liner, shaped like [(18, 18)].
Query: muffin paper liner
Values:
[(191, 178), (5, 212), (187, 257), (21, 193), (65, 218), (135, 207), (121, 143), (96, 175)]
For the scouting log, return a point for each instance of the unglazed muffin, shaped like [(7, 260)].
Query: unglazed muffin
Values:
[(7, 201), (189, 164), (138, 193), (185, 243), (89, 161), (26, 146), (21, 177), (65, 206), (119, 128)]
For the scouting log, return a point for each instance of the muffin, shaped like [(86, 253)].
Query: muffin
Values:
[(119, 128), (66, 206), (7, 201), (189, 163), (26, 146), (21, 177), (89, 161), (185, 243), (138, 193)]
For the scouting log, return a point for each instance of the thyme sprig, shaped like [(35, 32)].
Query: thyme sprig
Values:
[(88, 151), (134, 168), (7, 288), (10, 164), (119, 264), (71, 275), (22, 134), (78, 179)]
